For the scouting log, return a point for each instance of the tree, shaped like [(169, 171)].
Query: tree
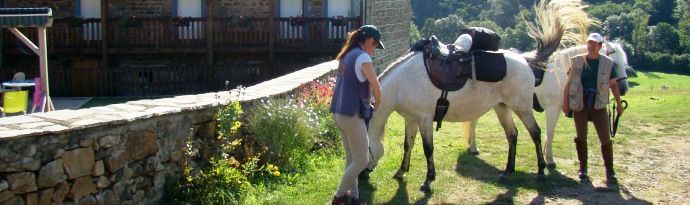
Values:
[(662, 38), (502, 12), (414, 33), (602, 11), (684, 35), (446, 29), (663, 12), (517, 37), (619, 26), (640, 32)]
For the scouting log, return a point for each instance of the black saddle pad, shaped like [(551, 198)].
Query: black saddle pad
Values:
[(489, 66)]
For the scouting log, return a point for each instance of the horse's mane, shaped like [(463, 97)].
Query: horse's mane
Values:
[(395, 63), (563, 56)]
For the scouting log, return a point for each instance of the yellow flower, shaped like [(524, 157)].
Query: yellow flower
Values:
[(276, 173), (270, 167)]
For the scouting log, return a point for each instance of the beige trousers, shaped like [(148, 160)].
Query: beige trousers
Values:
[(356, 144)]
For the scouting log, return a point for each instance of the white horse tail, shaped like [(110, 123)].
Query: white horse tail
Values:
[(559, 22)]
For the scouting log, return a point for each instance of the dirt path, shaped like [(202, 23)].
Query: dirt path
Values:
[(657, 171)]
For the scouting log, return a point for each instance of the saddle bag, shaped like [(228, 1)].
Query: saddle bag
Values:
[(482, 38)]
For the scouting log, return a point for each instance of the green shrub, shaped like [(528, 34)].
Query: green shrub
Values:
[(285, 128)]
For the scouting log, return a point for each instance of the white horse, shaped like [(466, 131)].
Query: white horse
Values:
[(550, 92), (409, 91)]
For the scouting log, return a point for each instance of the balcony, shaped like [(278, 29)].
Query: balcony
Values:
[(191, 35)]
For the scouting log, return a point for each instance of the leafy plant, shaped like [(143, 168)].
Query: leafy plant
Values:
[(285, 128)]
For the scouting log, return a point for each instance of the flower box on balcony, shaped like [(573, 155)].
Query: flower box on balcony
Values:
[(129, 22), (339, 21), (181, 21), (297, 21)]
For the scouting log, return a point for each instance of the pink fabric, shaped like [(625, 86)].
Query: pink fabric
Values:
[(38, 93)]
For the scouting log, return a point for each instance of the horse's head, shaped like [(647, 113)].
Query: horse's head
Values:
[(614, 50)]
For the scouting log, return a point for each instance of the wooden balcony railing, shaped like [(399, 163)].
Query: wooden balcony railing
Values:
[(71, 33)]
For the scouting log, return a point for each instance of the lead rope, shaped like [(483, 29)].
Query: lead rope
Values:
[(614, 117)]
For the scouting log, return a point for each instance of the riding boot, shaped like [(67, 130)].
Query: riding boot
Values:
[(607, 154), (581, 147)]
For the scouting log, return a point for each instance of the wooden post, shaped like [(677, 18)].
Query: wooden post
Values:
[(104, 43), (272, 32), (209, 32), (43, 62)]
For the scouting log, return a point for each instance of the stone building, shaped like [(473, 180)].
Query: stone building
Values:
[(162, 47)]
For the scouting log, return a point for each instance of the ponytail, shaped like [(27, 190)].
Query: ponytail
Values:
[(353, 39)]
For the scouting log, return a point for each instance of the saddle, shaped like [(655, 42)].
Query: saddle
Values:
[(449, 69)]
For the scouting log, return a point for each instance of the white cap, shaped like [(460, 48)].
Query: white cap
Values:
[(464, 42), (596, 37)]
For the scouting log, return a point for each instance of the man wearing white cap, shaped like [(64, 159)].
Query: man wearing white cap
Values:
[(587, 95)]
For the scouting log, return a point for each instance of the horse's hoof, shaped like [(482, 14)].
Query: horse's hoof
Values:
[(399, 175), (426, 187), (364, 175), (551, 166), (473, 152), (503, 179)]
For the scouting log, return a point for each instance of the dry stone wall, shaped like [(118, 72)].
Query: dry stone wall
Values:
[(116, 154)]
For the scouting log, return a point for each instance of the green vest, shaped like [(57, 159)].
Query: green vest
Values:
[(576, 95)]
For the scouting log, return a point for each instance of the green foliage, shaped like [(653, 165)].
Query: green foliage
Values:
[(285, 128), (414, 33), (502, 12), (663, 12), (603, 11), (684, 35), (661, 38), (518, 38), (619, 26), (446, 29), (670, 62)]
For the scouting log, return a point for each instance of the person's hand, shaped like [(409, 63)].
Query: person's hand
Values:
[(619, 109), (374, 104)]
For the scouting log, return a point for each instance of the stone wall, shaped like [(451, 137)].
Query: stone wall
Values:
[(253, 8), (148, 8), (116, 154), (393, 18)]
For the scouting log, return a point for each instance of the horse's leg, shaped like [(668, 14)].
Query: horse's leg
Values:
[(469, 129), (428, 143), (552, 115), (527, 118), (506, 120), (410, 135)]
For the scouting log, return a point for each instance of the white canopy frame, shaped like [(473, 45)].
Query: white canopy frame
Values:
[(42, 51)]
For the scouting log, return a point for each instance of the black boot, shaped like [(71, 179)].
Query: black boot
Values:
[(607, 154), (581, 147)]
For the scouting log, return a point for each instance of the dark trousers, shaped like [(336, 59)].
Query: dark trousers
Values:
[(600, 120), (601, 124)]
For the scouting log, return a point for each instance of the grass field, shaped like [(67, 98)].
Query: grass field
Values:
[(651, 155)]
